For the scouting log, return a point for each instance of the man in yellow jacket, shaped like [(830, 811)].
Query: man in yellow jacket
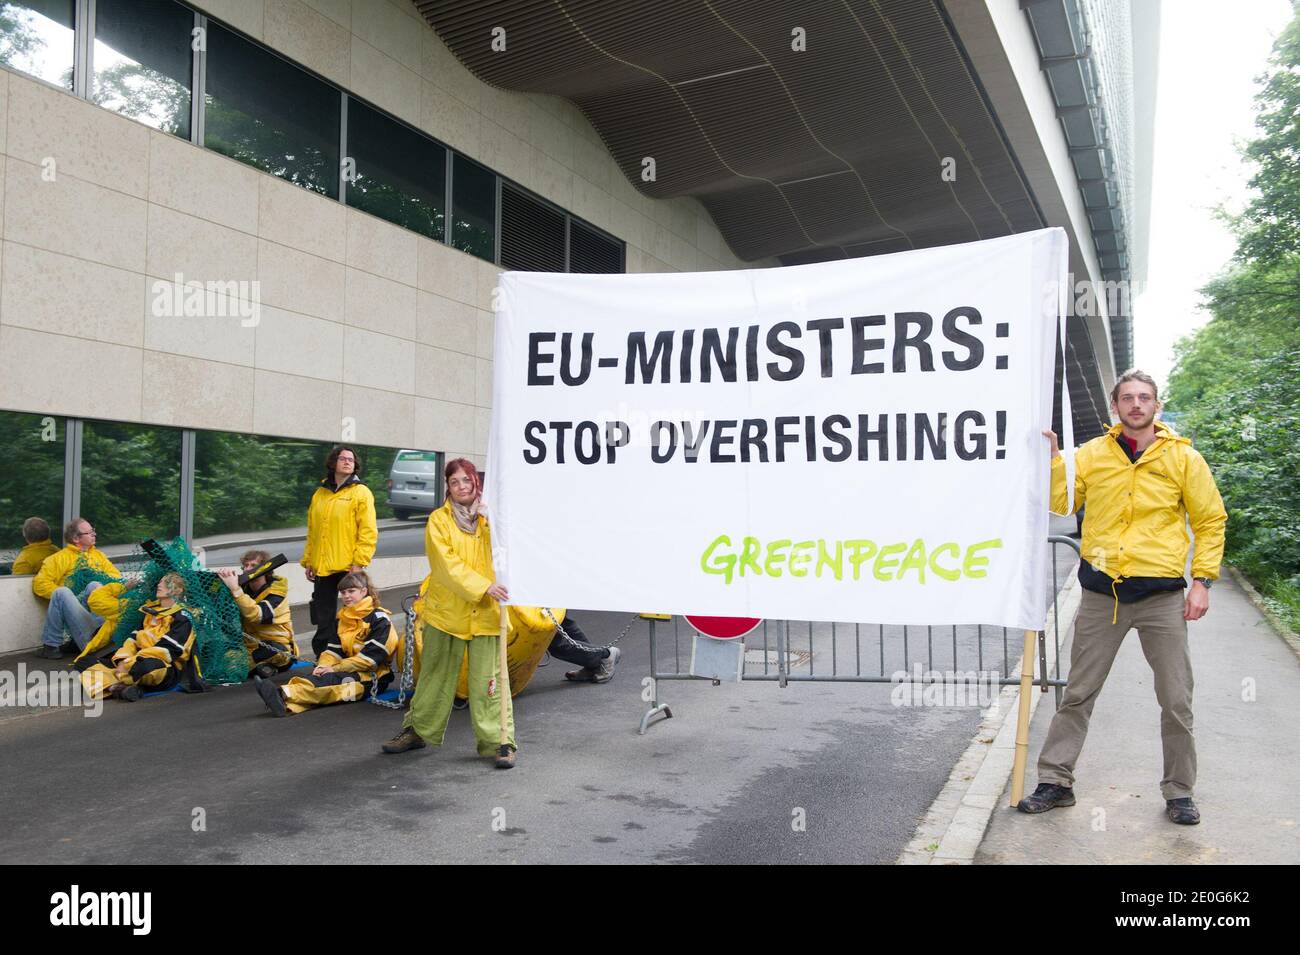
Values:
[(1142, 484), (68, 611), (36, 535)]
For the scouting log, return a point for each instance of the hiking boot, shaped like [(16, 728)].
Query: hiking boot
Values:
[(408, 738), (69, 648), (271, 696), (50, 653), (459, 703), (1182, 811), (585, 675), (264, 670), (605, 672), (129, 694), (506, 757), (1047, 796)]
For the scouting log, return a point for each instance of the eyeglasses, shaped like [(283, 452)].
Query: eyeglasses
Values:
[(89, 533)]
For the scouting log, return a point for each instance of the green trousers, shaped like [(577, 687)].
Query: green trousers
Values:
[(440, 660)]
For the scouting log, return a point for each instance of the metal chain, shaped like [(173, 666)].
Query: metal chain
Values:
[(551, 616), (408, 662)]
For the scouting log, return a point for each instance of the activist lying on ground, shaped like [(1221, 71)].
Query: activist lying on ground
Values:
[(1142, 485)]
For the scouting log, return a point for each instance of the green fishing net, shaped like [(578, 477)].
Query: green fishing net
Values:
[(218, 635)]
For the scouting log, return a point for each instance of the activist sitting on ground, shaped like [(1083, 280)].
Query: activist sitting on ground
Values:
[(341, 538), (264, 615), (36, 537), (360, 654), (460, 614), (154, 657), (69, 611)]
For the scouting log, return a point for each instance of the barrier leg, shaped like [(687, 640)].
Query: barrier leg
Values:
[(1022, 720), (656, 708)]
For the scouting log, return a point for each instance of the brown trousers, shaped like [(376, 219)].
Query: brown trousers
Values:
[(1159, 622)]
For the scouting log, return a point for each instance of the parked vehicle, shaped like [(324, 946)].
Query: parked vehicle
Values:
[(414, 483)]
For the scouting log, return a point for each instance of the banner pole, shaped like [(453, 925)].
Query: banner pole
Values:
[(503, 678), (1022, 720)]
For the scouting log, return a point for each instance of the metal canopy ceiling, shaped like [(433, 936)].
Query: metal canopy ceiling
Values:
[(829, 152)]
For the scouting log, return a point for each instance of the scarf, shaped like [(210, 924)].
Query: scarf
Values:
[(467, 515)]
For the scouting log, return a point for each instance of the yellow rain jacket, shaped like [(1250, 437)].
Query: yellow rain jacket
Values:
[(265, 615), (31, 557), (167, 635), (460, 572), (1137, 512), (63, 562), (366, 642), (341, 528)]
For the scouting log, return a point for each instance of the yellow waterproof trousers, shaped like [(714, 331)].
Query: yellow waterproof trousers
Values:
[(304, 692)]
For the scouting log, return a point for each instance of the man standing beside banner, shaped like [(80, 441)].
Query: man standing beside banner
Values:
[(1141, 483)]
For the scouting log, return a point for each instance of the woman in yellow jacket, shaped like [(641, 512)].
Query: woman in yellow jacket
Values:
[(341, 538), (460, 614), (360, 656), (153, 658)]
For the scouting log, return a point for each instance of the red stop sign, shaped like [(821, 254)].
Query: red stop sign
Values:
[(723, 628)]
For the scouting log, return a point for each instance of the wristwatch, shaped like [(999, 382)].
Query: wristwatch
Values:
[(1206, 582)]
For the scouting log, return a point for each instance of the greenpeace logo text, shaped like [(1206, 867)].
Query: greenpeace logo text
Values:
[(102, 908)]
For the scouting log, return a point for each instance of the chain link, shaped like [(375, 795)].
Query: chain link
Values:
[(551, 617), (408, 663)]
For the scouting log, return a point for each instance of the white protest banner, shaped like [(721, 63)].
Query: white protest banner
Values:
[(855, 440)]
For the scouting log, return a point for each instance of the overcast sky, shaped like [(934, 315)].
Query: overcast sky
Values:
[(1210, 55)]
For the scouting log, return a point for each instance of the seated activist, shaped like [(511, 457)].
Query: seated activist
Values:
[(359, 655), (36, 537), (572, 646), (69, 611), (154, 657), (264, 613)]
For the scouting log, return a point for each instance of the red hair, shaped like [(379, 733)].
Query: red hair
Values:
[(471, 472)]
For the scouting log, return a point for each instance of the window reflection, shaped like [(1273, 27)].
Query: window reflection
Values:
[(143, 62), (399, 175), (473, 209), (36, 37), (130, 481), (34, 453)]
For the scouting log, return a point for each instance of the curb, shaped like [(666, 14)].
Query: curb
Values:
[(1281, 629), (953, 827)]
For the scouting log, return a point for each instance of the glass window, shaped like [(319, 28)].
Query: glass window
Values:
[(143, 62), (36, 37), (252, 491), (130, 483), (266, 112), (34, 450), (399, 175), (473, 208)]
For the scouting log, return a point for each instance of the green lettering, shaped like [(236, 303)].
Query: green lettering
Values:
[(860, 552), (723, 564), (915, 560), (974, 566), (774, 554), (945, 572), (803, 558), (884, 560), (824, 559), (749, 555)]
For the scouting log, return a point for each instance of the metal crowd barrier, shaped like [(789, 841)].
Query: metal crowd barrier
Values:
[(785, 651)]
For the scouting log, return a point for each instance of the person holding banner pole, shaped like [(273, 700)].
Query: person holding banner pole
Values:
[(1143, 484), (463, 612)]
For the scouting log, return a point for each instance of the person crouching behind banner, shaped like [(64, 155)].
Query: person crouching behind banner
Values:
[(460, 615), (154, 657), (358, 656), (264, 614)]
